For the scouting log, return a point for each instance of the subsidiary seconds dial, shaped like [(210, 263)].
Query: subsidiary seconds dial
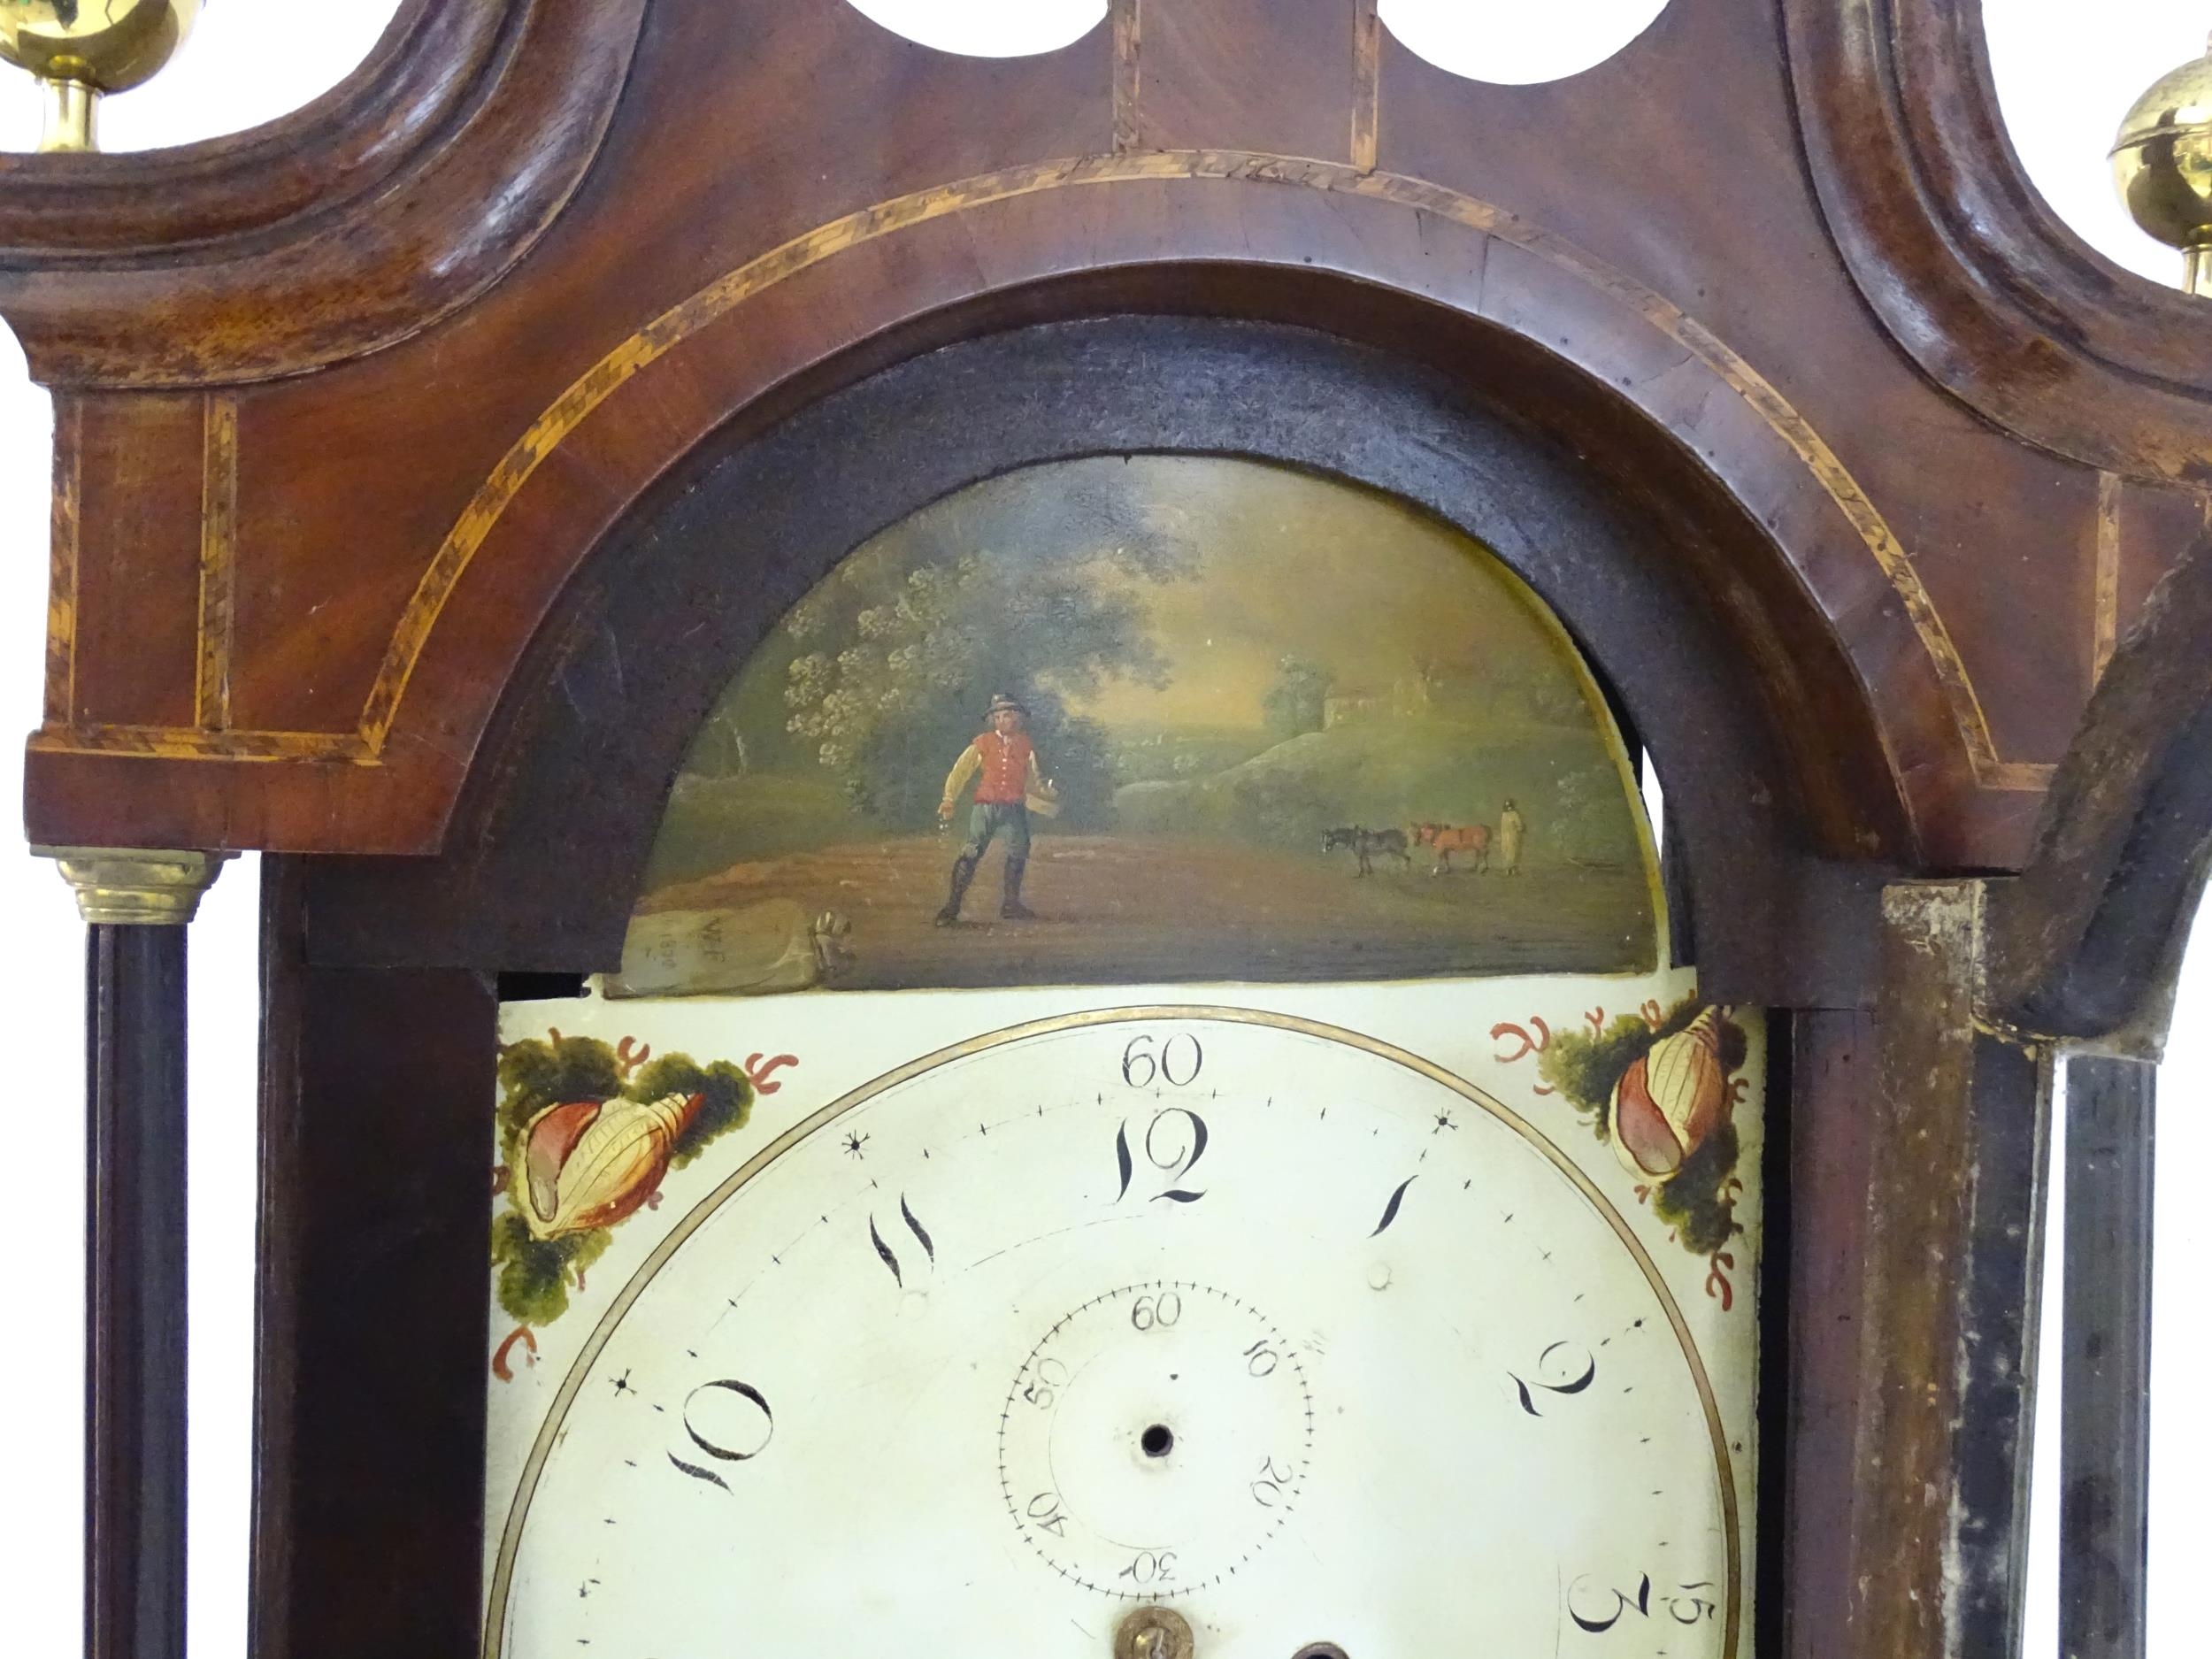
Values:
[(1205, 1312), (1155, 1438)]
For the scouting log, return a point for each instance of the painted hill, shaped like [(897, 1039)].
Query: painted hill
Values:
[(1399, 772)]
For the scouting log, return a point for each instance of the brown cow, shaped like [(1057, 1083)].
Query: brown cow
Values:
[(1444, 839)]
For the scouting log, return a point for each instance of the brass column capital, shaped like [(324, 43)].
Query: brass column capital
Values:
[(133, 887)]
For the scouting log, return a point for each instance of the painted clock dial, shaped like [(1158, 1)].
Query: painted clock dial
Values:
[(1277, 1324)]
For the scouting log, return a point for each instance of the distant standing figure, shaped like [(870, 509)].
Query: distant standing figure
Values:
[(1004, 764), (1511, 829)]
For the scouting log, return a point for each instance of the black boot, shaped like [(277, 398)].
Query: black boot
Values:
[(1010, 905), (963, 872)]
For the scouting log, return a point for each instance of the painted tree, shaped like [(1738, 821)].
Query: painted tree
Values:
[(897, 666), (1297, 702)]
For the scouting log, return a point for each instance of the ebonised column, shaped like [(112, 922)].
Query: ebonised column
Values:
[(138, 906), (135, 1289), (2104, 1424)]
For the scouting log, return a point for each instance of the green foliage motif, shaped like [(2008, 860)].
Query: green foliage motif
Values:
[(1699, 1200), (535, 1274)]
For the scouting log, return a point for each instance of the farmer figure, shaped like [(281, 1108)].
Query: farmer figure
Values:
[(1511, 829), (1003, 762)]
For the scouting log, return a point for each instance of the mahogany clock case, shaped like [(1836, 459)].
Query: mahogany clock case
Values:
[(384, 975), (1668, 395), (694, 226)]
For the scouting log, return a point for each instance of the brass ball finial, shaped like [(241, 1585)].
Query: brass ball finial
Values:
[(81, 50), (2162, 162)]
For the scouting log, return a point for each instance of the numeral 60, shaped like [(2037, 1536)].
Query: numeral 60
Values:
[(1162, 1310), (1176, 1062)]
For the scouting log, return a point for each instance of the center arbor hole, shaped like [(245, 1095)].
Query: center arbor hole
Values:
[(1158, 1440)]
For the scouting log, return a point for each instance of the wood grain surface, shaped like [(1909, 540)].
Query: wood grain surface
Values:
[(439, 412)]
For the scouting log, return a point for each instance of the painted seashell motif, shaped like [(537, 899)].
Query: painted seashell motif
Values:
[(1671, 1100), (588, 1163)]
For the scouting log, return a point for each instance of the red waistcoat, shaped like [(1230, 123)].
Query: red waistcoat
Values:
[(1005, 779)]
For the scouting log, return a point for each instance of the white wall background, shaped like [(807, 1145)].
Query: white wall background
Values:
[(2066, 72)]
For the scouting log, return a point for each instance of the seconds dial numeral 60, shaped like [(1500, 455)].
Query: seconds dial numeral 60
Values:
[(1156, 1313)]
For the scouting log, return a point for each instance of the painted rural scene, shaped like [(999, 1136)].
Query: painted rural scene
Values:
[(1151, 718)]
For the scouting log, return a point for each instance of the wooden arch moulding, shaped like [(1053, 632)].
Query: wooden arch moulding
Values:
[(1969, 269), (362, 218), (358, 500), (617, 684)]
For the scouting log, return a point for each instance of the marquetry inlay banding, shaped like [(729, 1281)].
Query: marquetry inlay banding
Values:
[(61, 585), (1366, 83), (1128, 64), (219, 562), (2105, 610), (665, 333)]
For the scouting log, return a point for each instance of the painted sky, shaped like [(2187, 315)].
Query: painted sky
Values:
[(1284, 563)]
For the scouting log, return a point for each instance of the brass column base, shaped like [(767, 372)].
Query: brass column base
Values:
[(134, 888)]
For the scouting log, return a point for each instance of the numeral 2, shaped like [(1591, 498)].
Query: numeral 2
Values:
[(1574, 1384)]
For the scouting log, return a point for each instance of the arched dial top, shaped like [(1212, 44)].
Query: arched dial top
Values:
[(1279, 1327)]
